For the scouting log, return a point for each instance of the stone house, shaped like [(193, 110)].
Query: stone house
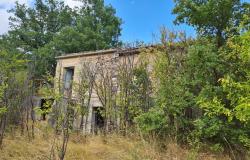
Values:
[(69, 72)]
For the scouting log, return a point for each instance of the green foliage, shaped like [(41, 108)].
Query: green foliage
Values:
[(152, 122), (51, 28), (76, 41), (141, 89), (227, 101), (202, 95), (216, 148), (14, 87), (3, 108), (211, 17), (200, 91), (34, 27), (99, 24)]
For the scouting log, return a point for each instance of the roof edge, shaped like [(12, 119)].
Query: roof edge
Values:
[(87, 53), (99, 52)]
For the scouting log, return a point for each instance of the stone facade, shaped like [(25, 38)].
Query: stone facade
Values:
[(69, 68)]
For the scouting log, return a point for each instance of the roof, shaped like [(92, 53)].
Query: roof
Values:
[(99, 52)]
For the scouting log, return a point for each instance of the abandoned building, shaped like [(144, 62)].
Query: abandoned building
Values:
[(69, 72)]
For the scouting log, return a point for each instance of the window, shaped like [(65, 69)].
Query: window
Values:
[(68, 78)]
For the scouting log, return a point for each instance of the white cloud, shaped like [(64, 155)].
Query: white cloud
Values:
[(73, 3), (4, 15), (4, 22), (8, 4)]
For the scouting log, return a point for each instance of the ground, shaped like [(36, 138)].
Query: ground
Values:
[(113, 147)]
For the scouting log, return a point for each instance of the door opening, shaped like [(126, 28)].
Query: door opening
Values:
[(98, 119)]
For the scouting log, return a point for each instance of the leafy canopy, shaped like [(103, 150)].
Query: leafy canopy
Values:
[(211, 17), (50, 28)]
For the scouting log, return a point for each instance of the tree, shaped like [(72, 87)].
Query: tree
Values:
[(50, 28), (13, 93), (168, 116), (216, 18), (84, 89), (104, 88), (97, 27), (34, 27), (100, 24), (226, 105)]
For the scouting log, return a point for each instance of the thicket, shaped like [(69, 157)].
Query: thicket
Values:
[(195, 91), (16, 91), (50, 28), (202, 94)]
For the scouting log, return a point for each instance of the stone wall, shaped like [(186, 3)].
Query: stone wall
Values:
[(110, 60)]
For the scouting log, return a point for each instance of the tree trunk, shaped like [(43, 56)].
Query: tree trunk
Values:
[(2, 129), (219, 38)]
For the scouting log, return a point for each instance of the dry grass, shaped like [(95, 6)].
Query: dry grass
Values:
[(113, 147)]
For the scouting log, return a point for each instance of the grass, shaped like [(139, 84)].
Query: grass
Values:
[(113, 147)]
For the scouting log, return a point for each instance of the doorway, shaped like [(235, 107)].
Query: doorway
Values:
[(98, 119)]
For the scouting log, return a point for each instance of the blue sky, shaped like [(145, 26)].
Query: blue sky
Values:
[(143, 18)]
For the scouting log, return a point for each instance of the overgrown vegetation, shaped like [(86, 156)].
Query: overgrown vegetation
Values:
[(192, 92), (50, 28), (202, 95), (96, 147)]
